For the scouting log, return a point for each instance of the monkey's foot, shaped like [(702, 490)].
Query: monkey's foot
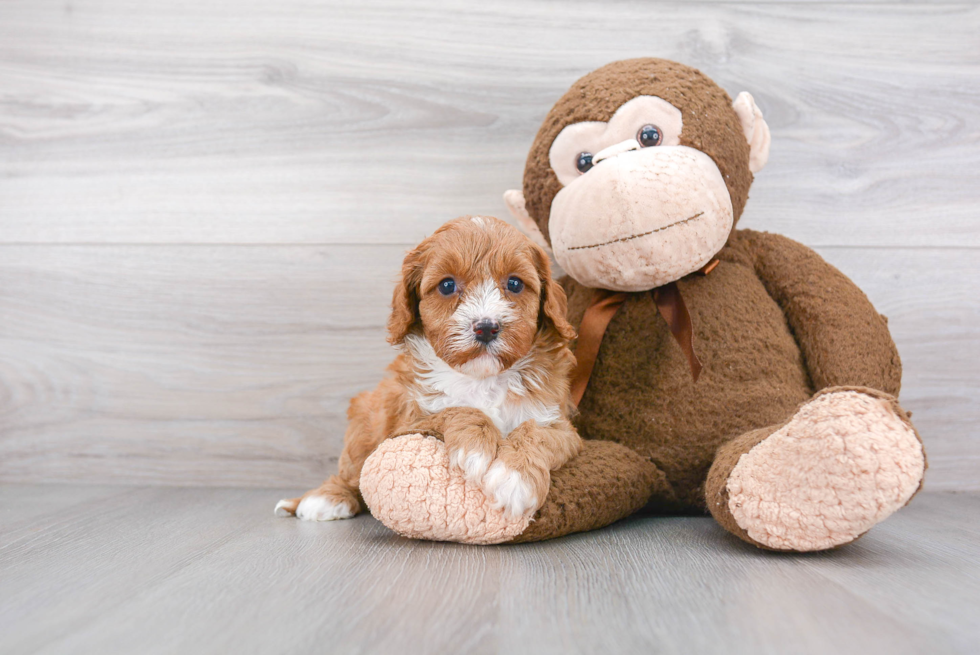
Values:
[(846, 460), (408, 485)]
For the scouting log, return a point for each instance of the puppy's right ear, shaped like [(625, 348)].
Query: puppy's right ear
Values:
[(405, 300)]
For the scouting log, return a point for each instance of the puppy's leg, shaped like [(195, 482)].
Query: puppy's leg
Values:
[(471, 439), (520, 477), (334, 499), (338, 497)]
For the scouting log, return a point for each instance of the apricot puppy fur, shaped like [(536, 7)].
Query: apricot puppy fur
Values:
[(484, 363)]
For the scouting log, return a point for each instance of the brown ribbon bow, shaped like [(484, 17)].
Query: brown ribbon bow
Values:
[(604, 306)]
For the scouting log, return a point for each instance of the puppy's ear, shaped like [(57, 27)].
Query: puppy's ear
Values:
[(405, 300), (553, 302)]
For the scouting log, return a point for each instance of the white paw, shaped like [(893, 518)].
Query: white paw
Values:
[(318, 508), (474, 464), (509, 490)]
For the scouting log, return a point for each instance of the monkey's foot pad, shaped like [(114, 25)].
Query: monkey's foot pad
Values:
[(409, 486), (845, 461)]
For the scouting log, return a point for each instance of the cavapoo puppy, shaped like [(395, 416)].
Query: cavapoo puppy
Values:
[(484, 362)]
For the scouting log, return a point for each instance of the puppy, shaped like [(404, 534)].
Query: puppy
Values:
[(484, 362)]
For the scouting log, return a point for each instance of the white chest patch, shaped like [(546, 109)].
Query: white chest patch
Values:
[(501, 397)]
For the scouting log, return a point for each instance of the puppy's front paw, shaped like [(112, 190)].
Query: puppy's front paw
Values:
[(515, 482), (473, 448), (510, 490), (473, 463)]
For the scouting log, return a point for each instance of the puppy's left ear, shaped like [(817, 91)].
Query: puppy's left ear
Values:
[(405, 300), (553, 301)]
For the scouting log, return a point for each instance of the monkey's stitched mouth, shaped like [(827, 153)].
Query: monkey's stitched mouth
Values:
[(637, 236)]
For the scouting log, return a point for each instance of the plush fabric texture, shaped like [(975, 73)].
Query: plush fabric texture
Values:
[(844, 341), (755, 128), (846, 460), (859, 463), (773, 324), (408, 485), (710, 124), (596, 136), (605, 483), (675, 230), (716, 485)]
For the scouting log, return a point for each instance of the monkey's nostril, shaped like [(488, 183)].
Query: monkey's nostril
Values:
[(486, 330)]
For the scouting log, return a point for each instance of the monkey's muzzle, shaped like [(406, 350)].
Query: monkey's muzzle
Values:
[(642, 217)]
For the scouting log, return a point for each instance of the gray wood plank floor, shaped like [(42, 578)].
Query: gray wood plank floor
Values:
[(152, 570)]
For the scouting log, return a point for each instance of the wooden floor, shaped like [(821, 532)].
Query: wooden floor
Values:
[(86, 569)]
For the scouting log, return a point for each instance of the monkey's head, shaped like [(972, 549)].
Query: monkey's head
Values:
[(639, 173)]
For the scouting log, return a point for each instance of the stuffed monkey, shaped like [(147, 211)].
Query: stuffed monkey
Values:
[(719, 370)]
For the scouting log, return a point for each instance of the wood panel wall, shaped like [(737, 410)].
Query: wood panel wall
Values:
[(203, 205)]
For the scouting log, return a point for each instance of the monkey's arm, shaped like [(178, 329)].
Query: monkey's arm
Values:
[(845, 342)]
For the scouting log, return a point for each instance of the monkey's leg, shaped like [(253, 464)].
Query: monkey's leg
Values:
[(606, 482), (846, 460), (409, 486)]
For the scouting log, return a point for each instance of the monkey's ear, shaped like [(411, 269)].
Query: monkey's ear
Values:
[(756, 130), (514, 199)]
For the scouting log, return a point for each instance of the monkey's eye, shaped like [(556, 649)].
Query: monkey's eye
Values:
[(447, 287), (515, 284), (583, 162), (649, 135)]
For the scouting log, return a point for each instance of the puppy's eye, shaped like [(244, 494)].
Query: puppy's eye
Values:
[(447, 287), (583, 162), (515, 284), (649, 135)]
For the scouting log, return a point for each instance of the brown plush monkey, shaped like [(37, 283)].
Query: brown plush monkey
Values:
[(720, 370)]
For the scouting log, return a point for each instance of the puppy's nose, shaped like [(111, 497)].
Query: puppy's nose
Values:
[(486, 330)]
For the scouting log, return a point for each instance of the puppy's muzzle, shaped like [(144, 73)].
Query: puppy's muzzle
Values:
[(486, 330)]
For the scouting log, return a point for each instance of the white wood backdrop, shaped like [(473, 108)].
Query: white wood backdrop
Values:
[(203, 205)]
